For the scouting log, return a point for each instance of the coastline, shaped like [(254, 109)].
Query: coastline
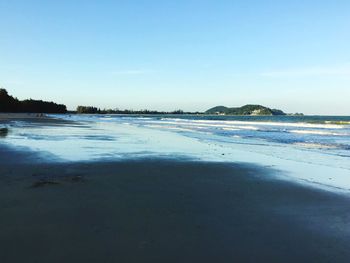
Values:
[(163, 210), (35, 118)]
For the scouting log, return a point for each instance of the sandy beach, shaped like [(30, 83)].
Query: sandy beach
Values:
[(158, 210), (154, 208), (174, 132)]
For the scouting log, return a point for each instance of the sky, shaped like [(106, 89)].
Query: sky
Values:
[(185, 54)]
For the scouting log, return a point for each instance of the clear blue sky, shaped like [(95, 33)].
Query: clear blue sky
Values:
[(188, 54)]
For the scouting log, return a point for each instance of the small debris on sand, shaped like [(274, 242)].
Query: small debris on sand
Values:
[(42, 183)]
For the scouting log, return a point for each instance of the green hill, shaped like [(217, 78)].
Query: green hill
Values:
[(245, 110)]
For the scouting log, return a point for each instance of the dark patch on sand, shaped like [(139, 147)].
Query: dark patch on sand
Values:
[(42, 183), (3, 132), (57, 180)]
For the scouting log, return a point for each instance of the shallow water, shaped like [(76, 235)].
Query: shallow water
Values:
[(315, 150)]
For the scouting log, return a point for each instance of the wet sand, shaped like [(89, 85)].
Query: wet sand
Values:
[(157, 210), (32, 118)]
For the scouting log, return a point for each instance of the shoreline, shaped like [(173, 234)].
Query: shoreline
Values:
[(164, 211), (76, 138), (34, 118)]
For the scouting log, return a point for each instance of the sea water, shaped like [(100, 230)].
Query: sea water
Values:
[(310, 149)]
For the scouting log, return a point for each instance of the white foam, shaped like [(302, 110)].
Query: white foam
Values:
[(315, 145), (262, 123), (318, 132), (213, 125)]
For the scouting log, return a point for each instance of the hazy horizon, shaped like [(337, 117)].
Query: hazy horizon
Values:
[(189, 55)]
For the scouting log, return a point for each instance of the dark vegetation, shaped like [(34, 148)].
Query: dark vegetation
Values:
[(11, 104), (94, 110), (245, 110)]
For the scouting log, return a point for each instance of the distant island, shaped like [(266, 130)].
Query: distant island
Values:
[(13, 105), (253, 110)]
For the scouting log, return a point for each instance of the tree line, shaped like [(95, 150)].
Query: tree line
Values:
[(95, 110), (11, 104)]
